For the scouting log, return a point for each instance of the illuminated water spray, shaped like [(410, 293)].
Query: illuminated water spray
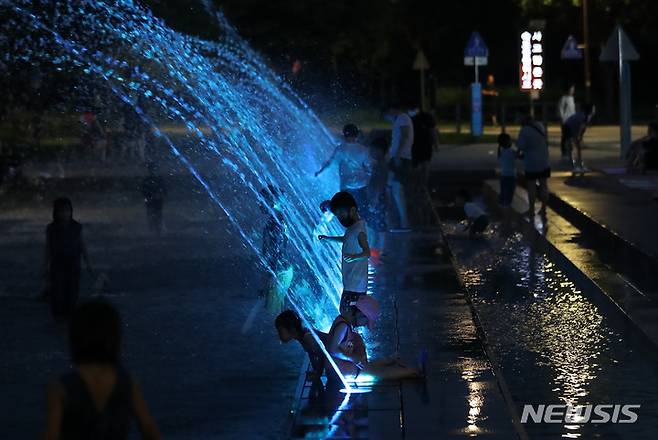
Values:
[(242, 127)]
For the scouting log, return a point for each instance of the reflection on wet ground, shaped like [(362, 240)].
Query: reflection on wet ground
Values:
[(422, 305), (554, 345)]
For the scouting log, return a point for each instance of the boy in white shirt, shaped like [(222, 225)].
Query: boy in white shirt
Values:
[(355, 248)]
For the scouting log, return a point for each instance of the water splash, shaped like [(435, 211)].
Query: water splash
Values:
[(242, 127)]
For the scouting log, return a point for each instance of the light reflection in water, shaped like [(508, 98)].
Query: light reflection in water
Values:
[(533, 307), (471, 373), (475, 403)]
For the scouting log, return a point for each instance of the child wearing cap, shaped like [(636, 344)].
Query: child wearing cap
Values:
[(348, 350)]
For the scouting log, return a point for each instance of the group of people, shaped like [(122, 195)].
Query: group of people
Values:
[(532, 150), (368, 172), (357, 309)]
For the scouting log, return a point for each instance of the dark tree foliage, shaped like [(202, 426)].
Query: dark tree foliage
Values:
[(365, 48), (353, 51)]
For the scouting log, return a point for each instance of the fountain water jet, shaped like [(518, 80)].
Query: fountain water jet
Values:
[(245, 129)]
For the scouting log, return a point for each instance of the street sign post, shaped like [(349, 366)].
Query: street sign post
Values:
[(421, 64), (476, 109), (476, 54), (620, 49), (570, 50)]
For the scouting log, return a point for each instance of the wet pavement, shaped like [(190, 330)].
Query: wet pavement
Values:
[(423, 305), (620, 203), (542, 332), (596, 239), (184, 298), (570, 324)]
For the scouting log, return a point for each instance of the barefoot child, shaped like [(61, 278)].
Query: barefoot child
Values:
[(355, 249), (348, 350), (289, 326)]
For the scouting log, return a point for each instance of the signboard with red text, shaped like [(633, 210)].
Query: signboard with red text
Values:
[(532, 61)]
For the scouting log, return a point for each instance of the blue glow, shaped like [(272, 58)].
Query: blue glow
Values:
[(229, 120), (355, 390)]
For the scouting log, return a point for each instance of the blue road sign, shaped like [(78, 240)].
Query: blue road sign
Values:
[(570, 50), (476, 47)]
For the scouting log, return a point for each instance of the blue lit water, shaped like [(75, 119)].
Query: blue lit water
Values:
[(240, 127), (553, 344)]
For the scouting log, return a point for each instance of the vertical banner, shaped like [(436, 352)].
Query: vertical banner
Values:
[(532, 61), (476, 109)]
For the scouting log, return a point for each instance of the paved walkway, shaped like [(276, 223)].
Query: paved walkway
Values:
[(183, 297), (423, 305), (621, 203)]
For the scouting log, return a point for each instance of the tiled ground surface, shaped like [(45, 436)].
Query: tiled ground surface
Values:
[(422, 306)]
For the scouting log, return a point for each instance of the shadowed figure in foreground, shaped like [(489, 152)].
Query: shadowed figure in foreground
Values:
[(98, 399)]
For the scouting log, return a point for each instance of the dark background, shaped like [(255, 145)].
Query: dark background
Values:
[(358, 54), (356, 51)]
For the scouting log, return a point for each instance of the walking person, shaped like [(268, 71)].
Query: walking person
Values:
[(65, 247), (533, 148), (93, 138), (402, 139), (566, 108), (97, 400)]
